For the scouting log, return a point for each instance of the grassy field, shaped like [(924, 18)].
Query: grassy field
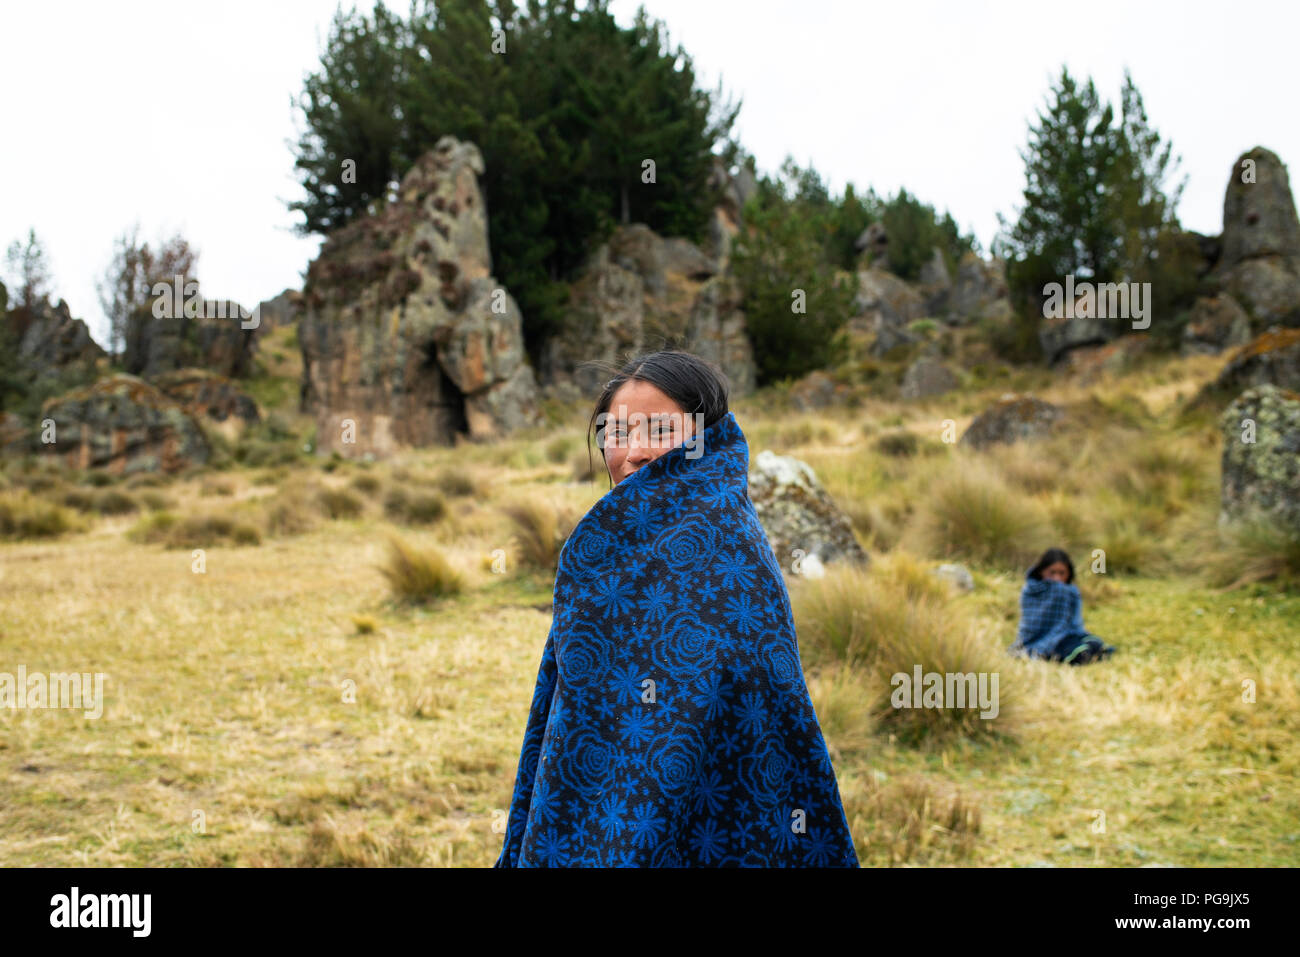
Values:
[(282, 707)]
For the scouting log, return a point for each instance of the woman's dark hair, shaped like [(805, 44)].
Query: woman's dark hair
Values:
[(698, 386), (1051, 557)]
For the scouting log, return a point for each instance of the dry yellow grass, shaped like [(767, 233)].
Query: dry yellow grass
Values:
[(279, 709)]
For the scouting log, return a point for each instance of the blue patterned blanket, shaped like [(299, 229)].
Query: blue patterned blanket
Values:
[(670, 724), (1051, 613)]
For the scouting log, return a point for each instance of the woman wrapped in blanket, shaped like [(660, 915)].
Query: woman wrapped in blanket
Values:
[(1051, 614), (670, 724)]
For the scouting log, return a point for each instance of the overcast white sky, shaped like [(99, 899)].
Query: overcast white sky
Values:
[(176, 114)]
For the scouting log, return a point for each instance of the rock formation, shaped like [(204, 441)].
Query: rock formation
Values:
[(797, 513), (1260, 260), (1012, 418), (207, 396), (406, 337), (124, 425), (638, 293), (1261, 457)]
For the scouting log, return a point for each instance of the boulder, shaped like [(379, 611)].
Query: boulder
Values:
[(1059, 336), (979, 291), (880, 291), (1259, 263), (406, 338), (209, 397), (927, 377), (1269, 287), (1270, 359), (1012, 418), (816, 390), (1216, 323), (797, 513), (124, 425), (640, 292), (956, 575), (1261, 478)]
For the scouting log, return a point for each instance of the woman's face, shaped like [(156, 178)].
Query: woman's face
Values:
[(1056, 572), (642, 424)]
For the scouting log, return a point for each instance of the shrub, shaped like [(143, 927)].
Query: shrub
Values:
[(366, 484), (24, 517), (155, 501), (457, 482), (195, 531), (339, 503), (540, 532), (974, 515), (1251, 550), (897, 444), (418, 575), (113, 501), (886, 621), (287, 514), (413, 507)]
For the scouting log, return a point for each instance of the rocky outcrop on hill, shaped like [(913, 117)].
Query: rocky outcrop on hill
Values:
[(1261, 457), (797, 513), (640, 292), (124, 425), (1259, 264), (1012, 418), (406, 337), (52, 340), (217, 335)]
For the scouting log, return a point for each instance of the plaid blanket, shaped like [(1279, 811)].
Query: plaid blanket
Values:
[(1050, 613), (670, 723)]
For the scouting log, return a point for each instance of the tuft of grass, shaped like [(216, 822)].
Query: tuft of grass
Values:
[(973, 514), (419, 575), (887, 620), (23, 517), (557, 450), (366, 484), (113, 501), (193, 531), (897, 444), (1254, 549), (411, 506), (364, 624), (340, 503), (457, 483), (217, 486), (540, 530), (907, 820)]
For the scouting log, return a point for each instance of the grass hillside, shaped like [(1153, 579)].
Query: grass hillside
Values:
[(341, 674)]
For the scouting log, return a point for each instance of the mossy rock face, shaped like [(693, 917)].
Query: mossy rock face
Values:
[(1013, 418), (796, 512), (124, 425), (1261, 456)]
